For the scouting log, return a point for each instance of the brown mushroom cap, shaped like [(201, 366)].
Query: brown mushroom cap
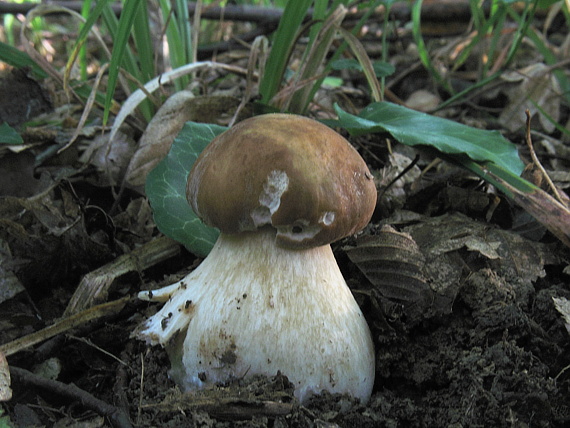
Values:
[(287, 171)]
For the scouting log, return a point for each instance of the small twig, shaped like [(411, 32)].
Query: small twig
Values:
[(88, 342), (63, 325), (139, 412), (117, 417), (537, 163), (413, 163)]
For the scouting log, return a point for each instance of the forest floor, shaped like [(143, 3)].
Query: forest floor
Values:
[(479, 340)]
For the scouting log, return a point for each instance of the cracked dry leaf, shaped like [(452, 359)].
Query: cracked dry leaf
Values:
[(507, 252), (526, 88), (159, 135), (393, 262), (49, 233), (424, 265), (111, 158)]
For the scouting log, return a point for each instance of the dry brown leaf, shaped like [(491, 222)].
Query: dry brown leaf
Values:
[(533, 85), (167, 123), (423, 100), (111, 158), (423, 266), (393, 262), (158, 136)]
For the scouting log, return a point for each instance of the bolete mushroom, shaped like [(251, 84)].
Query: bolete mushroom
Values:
[(270, 296)]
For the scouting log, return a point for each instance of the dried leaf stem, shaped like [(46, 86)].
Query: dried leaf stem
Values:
[(537, 163), (63, 325)]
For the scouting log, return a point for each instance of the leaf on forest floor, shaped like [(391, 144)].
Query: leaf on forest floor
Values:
[(166, 189), (111, 158), (423, 265), (9, 135), (414, 128), (157, 139), (393, 262), (531, 88), (46, 232), (548, 211)]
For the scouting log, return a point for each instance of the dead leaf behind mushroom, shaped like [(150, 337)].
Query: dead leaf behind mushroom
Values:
[(157, 139), (528, 88)]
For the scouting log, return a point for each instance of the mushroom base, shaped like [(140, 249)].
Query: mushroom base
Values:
[(254, 308)]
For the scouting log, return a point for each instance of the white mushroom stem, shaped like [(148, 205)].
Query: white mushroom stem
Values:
[(254, 308)]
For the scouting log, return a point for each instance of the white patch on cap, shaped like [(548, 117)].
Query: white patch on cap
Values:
[(327, 218), (275, 185)]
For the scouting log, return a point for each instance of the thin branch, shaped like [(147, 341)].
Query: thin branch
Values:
[(537, 163), (63, 325), (117, 417)]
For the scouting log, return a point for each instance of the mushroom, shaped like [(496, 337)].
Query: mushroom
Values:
[(270, 296)]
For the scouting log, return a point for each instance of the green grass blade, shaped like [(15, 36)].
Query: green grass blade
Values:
[(129, 61), (85, 8), (522, 29), (83, 33), (422, 48), (365, 62), (120, 46), (143, 42), (283, 41), (18, 59), (551, 59), (498, 177), (177, 51), (185, 29), (316, 53), (340, 50), (494, 30)]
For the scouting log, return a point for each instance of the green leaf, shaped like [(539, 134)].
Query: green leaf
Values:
[(381, 68), (415, 128), (120, 44), (84, 33), (166, 189), (545, 4), (19, 59), (346, 64), (9, 135)]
